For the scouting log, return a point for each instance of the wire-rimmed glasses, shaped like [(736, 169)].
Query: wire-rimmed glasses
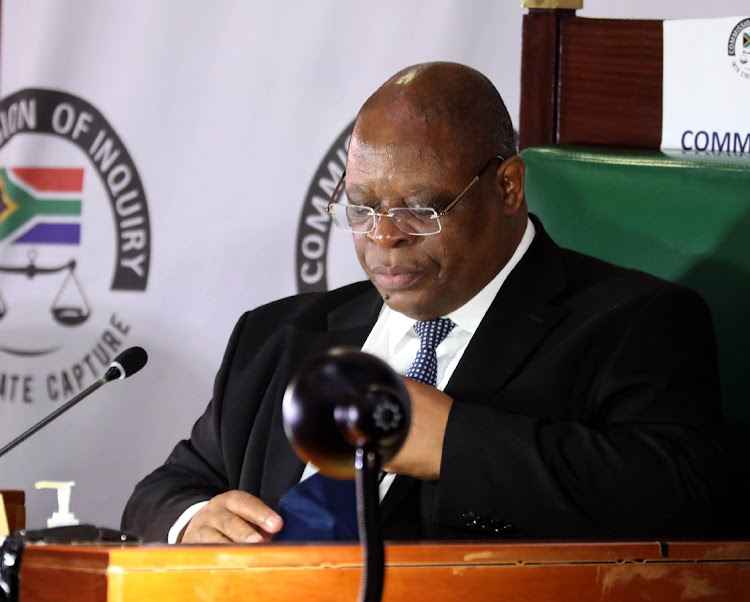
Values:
[(416, 221)]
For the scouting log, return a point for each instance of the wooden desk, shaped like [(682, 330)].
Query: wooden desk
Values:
[(628, 571)]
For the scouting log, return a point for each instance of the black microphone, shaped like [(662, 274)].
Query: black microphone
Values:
[(348, 413), (341, 401), (124, 365)]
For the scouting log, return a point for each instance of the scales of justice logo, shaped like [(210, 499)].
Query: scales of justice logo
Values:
[(55, 202)]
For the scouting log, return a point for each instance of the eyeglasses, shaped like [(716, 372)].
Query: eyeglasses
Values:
[(417, 221)]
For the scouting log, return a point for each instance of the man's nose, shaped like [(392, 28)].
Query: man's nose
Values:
[(386, 233)]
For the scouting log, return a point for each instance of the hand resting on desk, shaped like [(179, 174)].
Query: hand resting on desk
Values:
[(233, 517)]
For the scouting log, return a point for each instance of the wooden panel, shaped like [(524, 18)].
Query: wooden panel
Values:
[(538, 79), (574, 4), (432, 571), (610, 82), (15, 509), (590, 81)]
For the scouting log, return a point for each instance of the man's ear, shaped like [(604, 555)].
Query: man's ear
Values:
[(510, 178)]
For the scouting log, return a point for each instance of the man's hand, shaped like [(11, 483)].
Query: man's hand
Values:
[(233, 517), (422, 451)]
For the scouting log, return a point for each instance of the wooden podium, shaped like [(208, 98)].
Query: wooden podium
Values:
[(620, 571)]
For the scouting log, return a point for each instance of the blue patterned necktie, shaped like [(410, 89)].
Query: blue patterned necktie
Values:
[(431, 334), (321, 508)]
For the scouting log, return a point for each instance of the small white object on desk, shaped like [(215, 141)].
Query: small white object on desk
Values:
[(63, 517), (4, 529)]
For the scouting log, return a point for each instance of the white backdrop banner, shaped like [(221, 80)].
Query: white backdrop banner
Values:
[(707, 85), (164, 167)]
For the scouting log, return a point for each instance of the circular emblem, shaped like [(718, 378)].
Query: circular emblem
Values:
[(738, 48), (314, 226), (74, 232)]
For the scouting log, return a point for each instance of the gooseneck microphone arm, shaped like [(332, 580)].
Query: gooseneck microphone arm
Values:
[(349, 413), (126, 364), (47, 419), (367, 465)]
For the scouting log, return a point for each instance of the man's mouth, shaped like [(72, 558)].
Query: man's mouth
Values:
[(394, 279)]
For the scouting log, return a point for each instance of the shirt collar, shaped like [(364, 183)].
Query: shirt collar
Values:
[(471, 313)]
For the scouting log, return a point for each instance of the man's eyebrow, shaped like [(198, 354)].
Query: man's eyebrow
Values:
[(356, 188), (425, 191), (418, 191)]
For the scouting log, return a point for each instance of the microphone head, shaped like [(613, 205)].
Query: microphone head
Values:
[(127, 363), (341, 401)]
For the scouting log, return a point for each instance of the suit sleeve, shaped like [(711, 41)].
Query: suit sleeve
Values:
[(637, 451), (192, 473)]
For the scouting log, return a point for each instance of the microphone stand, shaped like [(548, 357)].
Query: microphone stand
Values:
[(45, 421), (367, 465), (126, 364)]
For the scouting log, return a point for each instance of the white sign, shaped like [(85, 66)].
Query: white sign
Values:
[(707, 85)]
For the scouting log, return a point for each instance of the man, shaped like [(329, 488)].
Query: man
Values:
[(572, 399)]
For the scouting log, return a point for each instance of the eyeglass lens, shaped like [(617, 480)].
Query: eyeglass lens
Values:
[(360, 219)]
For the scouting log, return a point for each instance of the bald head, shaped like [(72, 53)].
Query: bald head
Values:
[(452, 98)]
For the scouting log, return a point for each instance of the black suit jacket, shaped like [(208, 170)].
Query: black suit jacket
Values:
[(586, 405)]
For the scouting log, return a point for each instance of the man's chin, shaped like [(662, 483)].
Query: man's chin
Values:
[(410, 303), (400, 301)]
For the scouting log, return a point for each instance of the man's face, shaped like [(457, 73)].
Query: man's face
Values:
[(397, 163)]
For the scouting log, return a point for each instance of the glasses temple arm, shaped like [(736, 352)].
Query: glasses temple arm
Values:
[(332, 200), (471, 184), (461, 195)]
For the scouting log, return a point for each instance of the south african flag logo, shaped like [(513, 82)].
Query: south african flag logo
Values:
[(40, 205)]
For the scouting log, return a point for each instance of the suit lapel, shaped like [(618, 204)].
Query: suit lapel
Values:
[(519, 319), (344, 326)]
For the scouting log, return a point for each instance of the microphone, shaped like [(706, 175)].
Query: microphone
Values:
[(126, 364), (341, 401), (348, 413)]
